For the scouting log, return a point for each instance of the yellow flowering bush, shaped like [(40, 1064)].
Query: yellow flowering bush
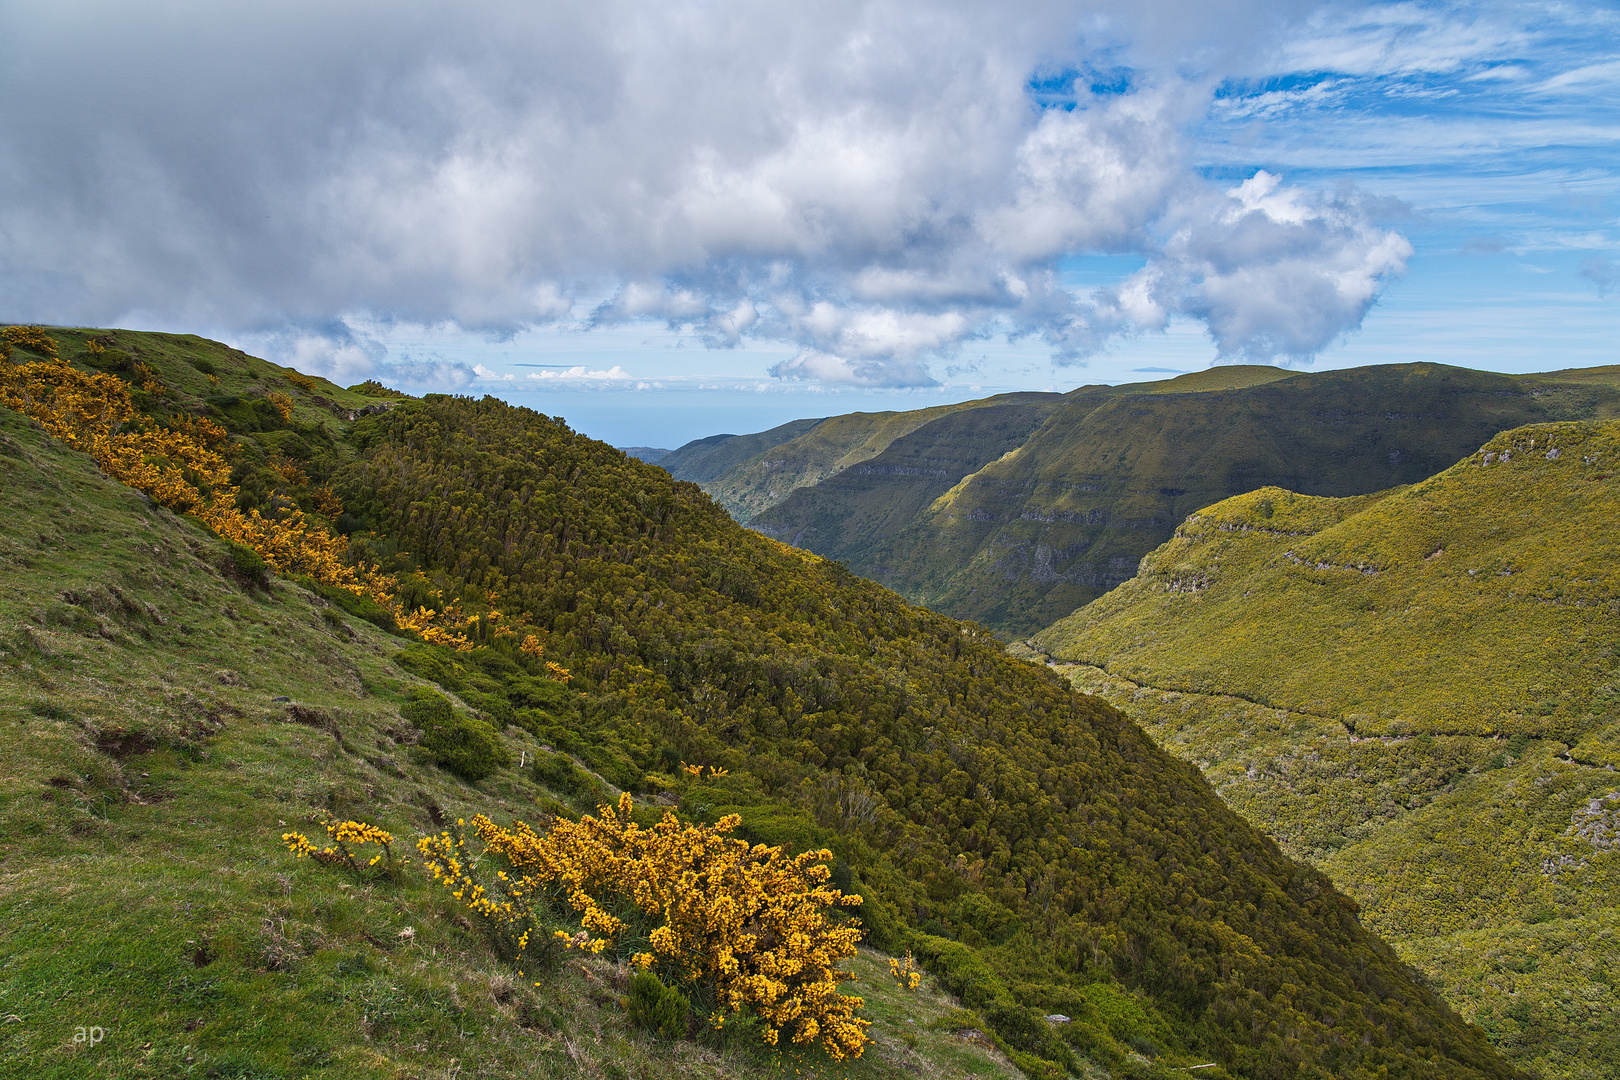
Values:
[(905, 972), (183, 464), (282, 403), (747, 926), (342, 834)]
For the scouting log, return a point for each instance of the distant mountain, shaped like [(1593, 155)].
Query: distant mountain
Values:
[(1056, 520), (871, 501), (649, 454), (1419, 692), (747, 473)]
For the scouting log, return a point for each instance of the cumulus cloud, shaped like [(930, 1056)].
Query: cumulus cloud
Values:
[(876, 183), (1275, 272)]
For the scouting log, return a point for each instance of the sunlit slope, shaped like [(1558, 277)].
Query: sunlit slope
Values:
[(1030, 537), (863, 504), (1393, 612), (748, 473), (1418, 692)]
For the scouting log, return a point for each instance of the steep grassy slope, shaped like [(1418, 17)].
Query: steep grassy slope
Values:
[(148, 772), (1033, 535), (866, 503), (747, 473), (1034, 848), (1419, 692)]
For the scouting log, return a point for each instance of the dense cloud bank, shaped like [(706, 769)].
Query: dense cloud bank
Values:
[(874, 182)]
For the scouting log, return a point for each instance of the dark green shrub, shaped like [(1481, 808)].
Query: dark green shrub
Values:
[(559, 773), (245, 565), (1025, 1029), (361, 607), (529, 692), (961, 970), (461, 744), (497, 710), (435, 665), (113, 361), (657, 1007)]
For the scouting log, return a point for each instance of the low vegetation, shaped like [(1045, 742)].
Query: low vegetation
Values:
[(1416, 692)]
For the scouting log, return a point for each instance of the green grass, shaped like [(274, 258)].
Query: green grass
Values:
[(146, 775), (1416, 692)]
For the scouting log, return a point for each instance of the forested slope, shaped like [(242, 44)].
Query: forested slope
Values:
[(1419, 692), (1035, 534), (974, 797), (167, 718)]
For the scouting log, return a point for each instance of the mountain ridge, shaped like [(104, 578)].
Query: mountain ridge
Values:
[(1029, 537)]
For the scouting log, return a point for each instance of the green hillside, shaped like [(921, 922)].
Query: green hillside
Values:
[(869, 502), (850, 513), (707, 459), (748, 473), (1035, 534), (1417, 692), (1032, 847), (148, 770)]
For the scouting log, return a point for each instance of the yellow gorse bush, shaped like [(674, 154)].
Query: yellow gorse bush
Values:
[(748, 924), (342, 834), (905, 972), (184, 466)]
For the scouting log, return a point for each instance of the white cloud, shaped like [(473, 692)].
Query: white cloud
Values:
[(870, 182), (582, 375)]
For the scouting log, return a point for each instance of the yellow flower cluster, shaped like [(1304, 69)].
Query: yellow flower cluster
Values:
[(531, 646), (749, 923), (29, 337), (184, 466), (342, 834), (905, 972), (283, 404)]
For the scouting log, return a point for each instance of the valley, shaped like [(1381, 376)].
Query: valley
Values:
[(1416, 692)]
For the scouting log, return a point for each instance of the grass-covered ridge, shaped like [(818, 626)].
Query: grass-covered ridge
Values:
[(1032, 535), (1037, 852), (749, 473), (1416, 691)]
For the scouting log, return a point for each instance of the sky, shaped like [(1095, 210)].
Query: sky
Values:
[(664, 221)]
